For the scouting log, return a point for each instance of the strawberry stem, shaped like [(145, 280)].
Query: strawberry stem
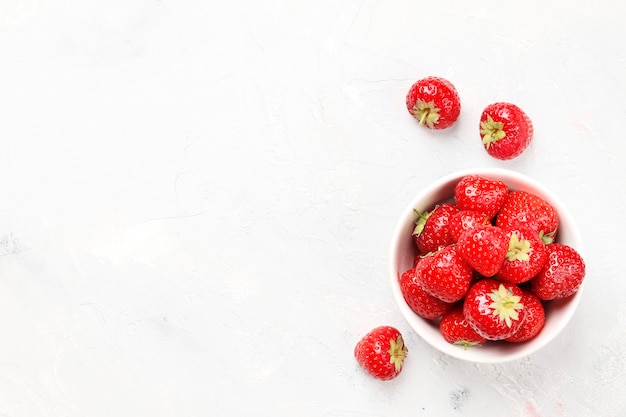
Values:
[(491, 131), (426, 113), (505, 305), (397, 352), (547, 238), (519, 250), (421, 221), (466, 344)]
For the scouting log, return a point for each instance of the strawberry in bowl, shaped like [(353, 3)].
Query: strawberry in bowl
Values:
[(524, 255)]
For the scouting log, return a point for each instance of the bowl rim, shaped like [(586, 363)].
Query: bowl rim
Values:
[(493, 352)]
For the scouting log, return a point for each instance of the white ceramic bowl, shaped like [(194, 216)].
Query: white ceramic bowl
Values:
[(403, 251)]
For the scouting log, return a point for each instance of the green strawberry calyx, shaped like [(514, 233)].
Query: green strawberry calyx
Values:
[(397, 353), (547, 238), (420, 222), (426, 113), (466, 344), (519, 249), (491, 131), (505, 304)]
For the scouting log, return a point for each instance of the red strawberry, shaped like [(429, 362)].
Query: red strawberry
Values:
[(381, 352), (456, 330), (506, 131), (416, 259), (421, 302), (465, 220), (431, 228), (525, 257), (434, 101), (534, 321), (494, 309), (484, 248), (444, 275), (525, 209), (478, 193), (562, 274)]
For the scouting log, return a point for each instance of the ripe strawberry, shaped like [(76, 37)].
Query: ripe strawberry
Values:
[(456, 330), (506, 131), (465, 220), (478, 193), (416, 259), (431, 228), (525, 209), (534, 321), (434, 101), (562, 274), (421, 302), (494, 309), (444, 275), (381, 352), (484, 248), (525, 257)]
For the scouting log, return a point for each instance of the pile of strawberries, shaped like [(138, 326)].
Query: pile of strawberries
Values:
[(488, 260)]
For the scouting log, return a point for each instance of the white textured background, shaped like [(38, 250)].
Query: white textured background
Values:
[(197, 199)]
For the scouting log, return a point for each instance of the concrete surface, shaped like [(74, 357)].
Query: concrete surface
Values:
[(197, 200)]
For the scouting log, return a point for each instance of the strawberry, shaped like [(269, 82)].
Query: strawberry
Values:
[(484, 248), (416, 259), (506, 131), (381, 352), (431, 228), (434, 101), (562, 274), (525, 257), (456, 330), (534, 321), (444, 274), (464, 220), (494, 309), (525, 209), (474, 192), (421, 302)]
